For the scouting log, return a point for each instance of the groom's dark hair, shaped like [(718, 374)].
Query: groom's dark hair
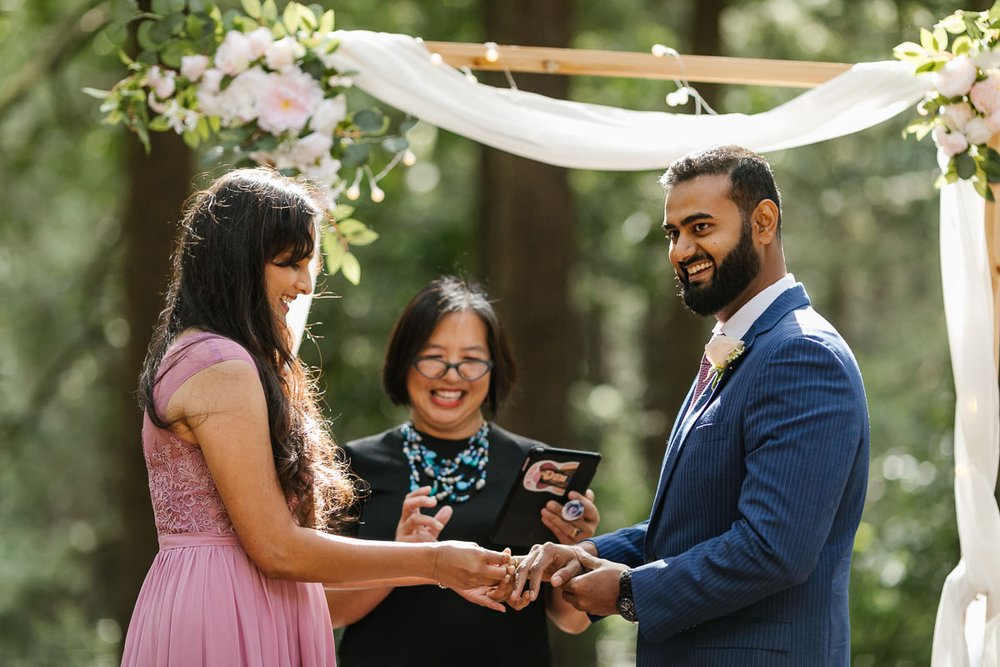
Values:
[(750, 176)]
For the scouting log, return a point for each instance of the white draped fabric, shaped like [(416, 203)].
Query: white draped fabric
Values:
[(398, 70), (967, 631)]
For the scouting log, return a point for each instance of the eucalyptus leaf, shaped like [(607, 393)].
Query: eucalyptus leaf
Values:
[(368, 120), (395, 144), (355, 155), (123, 11)]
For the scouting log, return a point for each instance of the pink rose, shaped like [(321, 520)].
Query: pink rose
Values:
[(950, 143), (977, 131), (985, 94), (956, 77), (957, 115), (162, 82), (282, 54), (286, 100), (259, 40), (234, 55), (194, 66)]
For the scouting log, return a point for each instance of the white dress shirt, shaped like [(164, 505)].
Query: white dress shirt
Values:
[(741, 321)]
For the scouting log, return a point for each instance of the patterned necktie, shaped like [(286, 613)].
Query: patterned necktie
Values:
[(703, 373)]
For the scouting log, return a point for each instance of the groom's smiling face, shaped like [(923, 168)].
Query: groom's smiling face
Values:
[(711, 245)]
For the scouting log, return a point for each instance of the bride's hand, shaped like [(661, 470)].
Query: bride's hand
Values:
[(467, 566)]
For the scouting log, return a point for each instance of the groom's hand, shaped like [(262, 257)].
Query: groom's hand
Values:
[(544, 562), (595, 591)]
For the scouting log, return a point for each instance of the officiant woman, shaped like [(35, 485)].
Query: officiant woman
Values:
[(444, 474)]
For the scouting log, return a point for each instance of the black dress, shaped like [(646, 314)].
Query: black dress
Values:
[(425, 625)]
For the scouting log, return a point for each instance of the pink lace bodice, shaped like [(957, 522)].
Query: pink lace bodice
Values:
[(185, 499)]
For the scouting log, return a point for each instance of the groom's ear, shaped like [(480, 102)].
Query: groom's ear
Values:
[(764, 221)]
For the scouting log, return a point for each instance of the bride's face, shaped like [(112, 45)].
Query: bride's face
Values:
[(285, 279)]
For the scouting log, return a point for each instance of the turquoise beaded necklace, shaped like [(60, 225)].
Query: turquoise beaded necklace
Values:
[(451, 479)]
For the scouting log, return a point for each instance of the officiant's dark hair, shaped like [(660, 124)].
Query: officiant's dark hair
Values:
[(230, 231), (750, 176), (443, 296)]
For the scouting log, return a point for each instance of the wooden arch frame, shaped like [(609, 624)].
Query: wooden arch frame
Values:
[(705, 69)]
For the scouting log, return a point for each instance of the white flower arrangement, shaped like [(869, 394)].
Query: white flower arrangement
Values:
[(721, 351), (260, 84), (962, 112)]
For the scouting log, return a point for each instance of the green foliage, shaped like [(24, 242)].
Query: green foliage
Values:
[(196, 66)]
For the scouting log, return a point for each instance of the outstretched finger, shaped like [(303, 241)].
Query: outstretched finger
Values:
[(566, 572)]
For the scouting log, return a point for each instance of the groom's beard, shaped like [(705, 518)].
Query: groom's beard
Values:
[(732, 275)]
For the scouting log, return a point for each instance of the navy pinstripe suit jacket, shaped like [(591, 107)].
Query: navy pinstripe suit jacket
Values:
[(745, 558)]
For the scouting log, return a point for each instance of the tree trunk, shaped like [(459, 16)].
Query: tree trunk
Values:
[(706, 40), (159, 184), (674, 336), (527, 247)]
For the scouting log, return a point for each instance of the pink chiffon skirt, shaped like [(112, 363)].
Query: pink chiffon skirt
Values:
[(204, 602)]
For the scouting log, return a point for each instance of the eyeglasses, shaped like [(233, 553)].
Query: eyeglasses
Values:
[(434, 368)]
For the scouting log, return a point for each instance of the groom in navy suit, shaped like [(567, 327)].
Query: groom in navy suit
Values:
[(745, 558)]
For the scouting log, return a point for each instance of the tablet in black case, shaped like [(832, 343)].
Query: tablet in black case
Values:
[(546, 474)]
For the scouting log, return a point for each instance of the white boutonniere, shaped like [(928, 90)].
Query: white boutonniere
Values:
[(720, 352)]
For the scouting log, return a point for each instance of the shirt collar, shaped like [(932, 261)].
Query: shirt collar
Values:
[(741, 321)]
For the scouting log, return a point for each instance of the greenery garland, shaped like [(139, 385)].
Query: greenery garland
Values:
[(257, 86)]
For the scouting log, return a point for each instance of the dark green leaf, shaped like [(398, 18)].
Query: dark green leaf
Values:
[(355, 155), (368, 120), (965, 165), (395, 144)]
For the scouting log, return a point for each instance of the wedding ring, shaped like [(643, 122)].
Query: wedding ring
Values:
[(576, 532)]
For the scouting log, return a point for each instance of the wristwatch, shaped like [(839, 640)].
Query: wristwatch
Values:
[(625, 605)]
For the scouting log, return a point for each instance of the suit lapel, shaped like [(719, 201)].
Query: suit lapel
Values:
[(791, 299)]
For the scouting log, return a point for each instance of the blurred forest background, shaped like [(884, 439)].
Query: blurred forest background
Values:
[(576, 260)]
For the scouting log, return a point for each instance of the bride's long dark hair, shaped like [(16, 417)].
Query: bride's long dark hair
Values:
[(228, 234)]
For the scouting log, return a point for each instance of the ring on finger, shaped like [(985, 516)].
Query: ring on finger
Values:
[(576, 532)]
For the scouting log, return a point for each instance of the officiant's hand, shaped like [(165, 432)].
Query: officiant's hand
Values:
[(414, 525), (571, 531)]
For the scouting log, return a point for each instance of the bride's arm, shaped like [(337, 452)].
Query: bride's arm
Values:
[(347, 603), (225, 409)]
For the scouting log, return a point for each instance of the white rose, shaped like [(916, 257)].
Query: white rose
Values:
[(283, 53), (956, 77), (957, 115), (239, 100), (259, 40), (327, 171), (978, 131), (312, 147), (328, 114), (985, 94), (234, 55), (722, 350), (194, 66), (950, 143), (211, 80), (162, 82)]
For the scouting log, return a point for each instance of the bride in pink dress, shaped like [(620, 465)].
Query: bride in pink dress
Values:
[(243, 474)]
